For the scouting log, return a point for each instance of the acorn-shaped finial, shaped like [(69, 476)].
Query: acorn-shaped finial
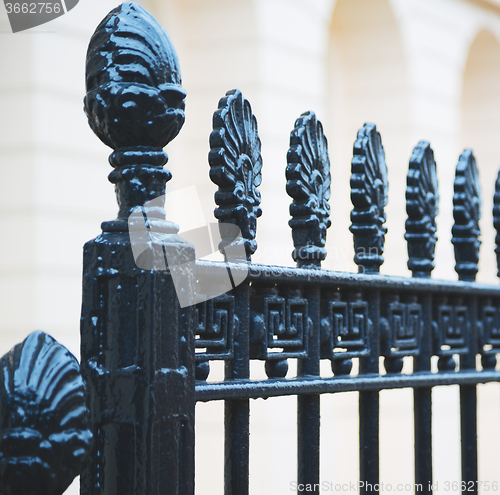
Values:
[(134, 93)]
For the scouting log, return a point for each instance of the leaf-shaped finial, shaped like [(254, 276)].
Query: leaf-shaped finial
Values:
[(134, 94), (466, 212), (369, 196), (45, 436), (308, 183), (496, 220), (422, 207), (236, 167)]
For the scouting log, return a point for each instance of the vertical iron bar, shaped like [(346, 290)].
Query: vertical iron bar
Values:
[(308, 406), (308, 183), (237, 411), (422, 201), (236, 167), (468, 404), (468, 420), (369, 404), (465, 239), (422, 404), (369, 196)]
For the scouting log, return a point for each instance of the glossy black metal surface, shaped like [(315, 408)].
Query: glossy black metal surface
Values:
[(137, 343), (466, 212), (255, 389), (133, 76), (236, 167), (44, 420), (369, 195), (308, 183), (496, 220), (237, 411), (422, 207)]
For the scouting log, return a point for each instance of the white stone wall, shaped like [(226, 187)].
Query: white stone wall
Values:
[(419, 69), (54, 191)]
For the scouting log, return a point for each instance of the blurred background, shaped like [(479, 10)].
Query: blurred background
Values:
[(419, 69)]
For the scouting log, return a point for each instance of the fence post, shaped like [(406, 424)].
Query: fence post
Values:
[(137, 341)]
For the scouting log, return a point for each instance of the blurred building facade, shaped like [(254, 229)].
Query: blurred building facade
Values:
[(419, 69)]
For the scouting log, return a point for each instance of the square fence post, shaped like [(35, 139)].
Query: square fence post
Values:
[(137, 328)]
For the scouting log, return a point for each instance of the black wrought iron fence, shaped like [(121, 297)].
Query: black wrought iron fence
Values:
[(154, 317)]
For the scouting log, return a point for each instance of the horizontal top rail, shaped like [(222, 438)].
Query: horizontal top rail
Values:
[(306, 276)]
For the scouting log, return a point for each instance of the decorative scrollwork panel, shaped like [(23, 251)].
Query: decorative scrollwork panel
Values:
[(344, 328), (489, 328), (451, 326), (402, 326), (279, 323), (216, 328)]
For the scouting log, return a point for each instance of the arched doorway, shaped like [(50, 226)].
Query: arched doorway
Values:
[(368, 82), (480, 130)]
